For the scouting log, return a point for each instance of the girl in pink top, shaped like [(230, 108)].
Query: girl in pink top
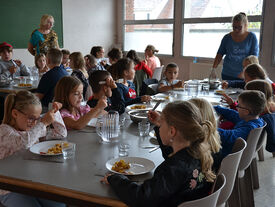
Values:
[(150, 59), (68, 91), (22, 127)]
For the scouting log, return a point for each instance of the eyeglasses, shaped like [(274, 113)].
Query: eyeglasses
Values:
[(240, 107), (237, 27), (31, 119)]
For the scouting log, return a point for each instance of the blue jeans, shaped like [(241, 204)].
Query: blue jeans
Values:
[(21, 200)]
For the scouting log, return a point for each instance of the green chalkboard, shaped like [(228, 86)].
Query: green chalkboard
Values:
[(20, 17)]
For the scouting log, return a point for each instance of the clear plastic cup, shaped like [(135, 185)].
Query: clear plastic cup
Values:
[(68, 150), (143, 128)]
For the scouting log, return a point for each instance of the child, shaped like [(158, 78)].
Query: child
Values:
[(65, 63), (21, 128), (250, 105), (40, 63), (45, 89), (9, 67), (186, 174), (98, 53), (102, 85), (268, 115), (251, 72), (170, 80), (139, 65), (124, 69), (77, 63), (68, 91), (251, 59), (90, 64), (150, 59), (114, 55)]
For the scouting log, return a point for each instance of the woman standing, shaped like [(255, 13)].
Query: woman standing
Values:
[(44, 38), (236, 45), (150, 59)]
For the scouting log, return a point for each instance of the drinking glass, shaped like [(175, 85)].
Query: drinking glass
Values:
[(143, 128), (68, 150)]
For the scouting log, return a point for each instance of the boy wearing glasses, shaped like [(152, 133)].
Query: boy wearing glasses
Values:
[(250, 105)]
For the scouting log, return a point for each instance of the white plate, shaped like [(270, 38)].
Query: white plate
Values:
[(152, 134), (17, 86), (92, 122), (132, 107), (44, 146), (138, 165), (160, 97), (228, 92)]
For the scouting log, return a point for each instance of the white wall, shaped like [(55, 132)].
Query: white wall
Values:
[(86, 23)]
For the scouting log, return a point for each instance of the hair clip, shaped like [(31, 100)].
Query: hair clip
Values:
[(102, 82)]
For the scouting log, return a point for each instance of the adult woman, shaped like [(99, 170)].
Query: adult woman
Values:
[(236, 45), (150, 59), (43, 38)]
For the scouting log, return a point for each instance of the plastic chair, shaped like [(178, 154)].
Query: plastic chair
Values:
[(158, 73), (211, 200), (254, 167), (242, 194), (229, 167)]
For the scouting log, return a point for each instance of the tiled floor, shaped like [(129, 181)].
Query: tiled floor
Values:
[(265, 195)]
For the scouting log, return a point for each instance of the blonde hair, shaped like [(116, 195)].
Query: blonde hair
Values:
[(240, 17), (44, 18), (63, 89), (263, 86), (255, 71), (20, 101), (78, 60), (186, 118), (37, 57), (207, 113), (251, 59)]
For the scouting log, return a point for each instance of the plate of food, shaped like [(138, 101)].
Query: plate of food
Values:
[(130, 165), (224, 91), (138, 107), (160, 97), (23, 85), (49, 148)]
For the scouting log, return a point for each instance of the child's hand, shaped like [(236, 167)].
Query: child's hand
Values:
[(103, 62), (105, 180), (48, 118), (145, 98), (56, 106), (12, 69), (227, 99), (241, 75), (18, 62), (179, 84), (111, 83), (224, 84), (102, 103), (154, 117)]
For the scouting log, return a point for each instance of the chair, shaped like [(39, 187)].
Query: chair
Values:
[(154, 87), (158, 73), (140, 76), (145, 90), (211, 200), (254, 167), (242, 194), (229, 167)]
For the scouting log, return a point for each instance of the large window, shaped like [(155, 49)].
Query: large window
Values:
[(148, 22), (205, 22)]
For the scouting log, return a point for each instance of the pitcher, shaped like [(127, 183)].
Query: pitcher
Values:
[(107, 127), (192, 88)]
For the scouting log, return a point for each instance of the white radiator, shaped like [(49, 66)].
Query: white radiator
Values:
[(202, 70)]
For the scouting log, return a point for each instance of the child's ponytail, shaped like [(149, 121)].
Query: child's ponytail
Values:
[(8, 106)]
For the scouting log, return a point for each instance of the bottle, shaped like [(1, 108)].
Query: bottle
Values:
[(213, 78)]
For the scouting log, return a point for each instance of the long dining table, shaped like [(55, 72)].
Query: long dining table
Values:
[(77, 181)]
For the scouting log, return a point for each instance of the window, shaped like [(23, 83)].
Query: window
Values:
[(205, 22), (148, 22)]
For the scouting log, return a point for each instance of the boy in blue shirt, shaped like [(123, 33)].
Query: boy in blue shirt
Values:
[(250, 105), (45, 89)]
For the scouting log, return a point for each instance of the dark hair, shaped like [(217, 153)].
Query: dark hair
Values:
[(63, 89), (55, 56), (96, 77), (171, 65), (65, 52), (255, 71), (119, 67), (115, 54), (186, 118), (19, 100), (263, 86), (254, 101), (151, 47), (2, 49), (132, 54), (36, 58), (95, 50), (91, 59)]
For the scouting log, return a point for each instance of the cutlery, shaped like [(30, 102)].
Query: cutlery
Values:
[(154, 149), (148, 147), (157, 104)]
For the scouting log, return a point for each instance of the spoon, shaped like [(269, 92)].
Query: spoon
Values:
[(157, 104)]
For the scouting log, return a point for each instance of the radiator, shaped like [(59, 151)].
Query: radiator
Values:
[(202, 70)]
